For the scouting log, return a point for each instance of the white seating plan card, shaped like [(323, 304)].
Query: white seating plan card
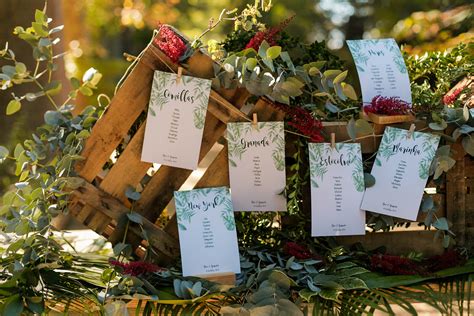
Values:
[(257, 166), (401, 170), (381, 69), (207, 234), (337, 188), (175, 121)]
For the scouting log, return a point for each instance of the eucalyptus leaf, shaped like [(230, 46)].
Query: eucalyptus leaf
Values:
[(4, 152), (468, 144), (13, 107), (363, 127), (351, 129), (273, 52), (438, 126), (369, 180), (132, 194), (441, 223), (135, 217)]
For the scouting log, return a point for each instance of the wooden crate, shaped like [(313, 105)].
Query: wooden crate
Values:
[(100, 202)]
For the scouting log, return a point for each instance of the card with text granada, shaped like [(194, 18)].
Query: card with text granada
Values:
[(175, 121), (337, 187), (257, 166), (207, 234), (401, 170)]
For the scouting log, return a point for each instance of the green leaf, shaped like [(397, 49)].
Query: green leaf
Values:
[(40, 17), (20, 68), (441, 224), (135, 217), (132, 194), (340, 78), (250, 63), (4, 152), (291, 88), (369, 180), (273, 52), (351, 283), (86, 91), (13, 305), (39, 29), (13, 107), (53, 88), (441, 126), (363, 127), (262, 50), (349, 91), (351, 129), (468, 144)]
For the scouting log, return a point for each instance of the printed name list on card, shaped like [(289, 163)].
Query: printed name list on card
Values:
[(337, 188), (207, 234), (257, 166), (401, 170), (381, 69), (175, 121)]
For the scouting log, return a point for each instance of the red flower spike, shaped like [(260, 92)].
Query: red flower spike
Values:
[(387, 106), (395, 265), (136, 268), (170, 43), (297, 251), (302, 121), (448, 259), (269, 35)]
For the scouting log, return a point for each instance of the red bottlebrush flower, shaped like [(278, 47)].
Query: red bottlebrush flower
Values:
[(136, 268), (387, 106), (269, 35), (297, 251), (302, 121), (395, 265), (451, 97), (449, 259), (170, 43)]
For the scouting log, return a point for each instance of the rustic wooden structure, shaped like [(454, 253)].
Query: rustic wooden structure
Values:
[(100, 203)]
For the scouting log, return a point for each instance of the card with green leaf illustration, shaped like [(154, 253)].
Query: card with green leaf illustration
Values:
[(257, 166), (175, 121), (337, 188), (207, 233), (381, 69), (401, 170)]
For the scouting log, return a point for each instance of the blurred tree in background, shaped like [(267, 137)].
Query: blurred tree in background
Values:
[(98, 32)]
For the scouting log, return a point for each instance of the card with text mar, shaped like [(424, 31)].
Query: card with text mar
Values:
[(207, 233), (257, 166), (381, 69), (401, 170), (175, 121), (337, 188)]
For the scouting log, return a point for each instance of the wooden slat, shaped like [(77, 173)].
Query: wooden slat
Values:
[(159, 191), (398, 243), (129, 170), (110, 207), (130, 100)]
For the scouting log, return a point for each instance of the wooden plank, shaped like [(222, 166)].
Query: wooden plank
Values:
[(131, 100), (398, 243), (216, 175), (129, 170), (159, 190), (109, 206)]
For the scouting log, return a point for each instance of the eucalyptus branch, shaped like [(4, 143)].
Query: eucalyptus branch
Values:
[(212, 25)]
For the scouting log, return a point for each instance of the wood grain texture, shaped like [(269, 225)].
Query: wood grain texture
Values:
[(129, 170)]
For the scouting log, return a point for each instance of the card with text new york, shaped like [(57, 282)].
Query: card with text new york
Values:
[(257, 166), (207, 234), (175, 121), (337, 188), (401, 170), (381, 69)]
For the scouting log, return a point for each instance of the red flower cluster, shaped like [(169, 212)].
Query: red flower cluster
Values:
[(451, 97), (394, 265), (136, 268), (302, 121), (387, 106), (449, 259), (297, 251), (170, 43), (269, 35)]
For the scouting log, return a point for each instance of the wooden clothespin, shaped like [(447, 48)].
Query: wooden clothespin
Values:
[(179, 74), (255, 121), (333, 140), (411, 130)]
